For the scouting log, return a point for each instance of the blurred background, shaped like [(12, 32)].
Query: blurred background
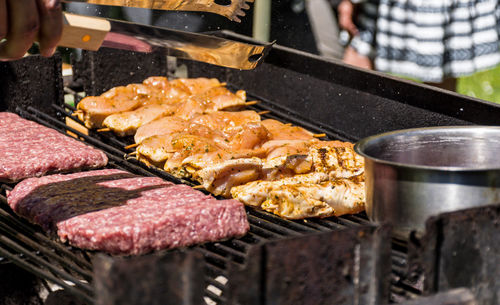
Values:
[(307, 25)]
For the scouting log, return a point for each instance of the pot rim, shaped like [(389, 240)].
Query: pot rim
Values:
[(362, 145)]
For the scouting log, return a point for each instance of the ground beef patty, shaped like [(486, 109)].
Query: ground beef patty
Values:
[(28, 149), (121, 213)]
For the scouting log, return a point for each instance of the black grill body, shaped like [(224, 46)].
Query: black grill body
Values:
[(343, 260)]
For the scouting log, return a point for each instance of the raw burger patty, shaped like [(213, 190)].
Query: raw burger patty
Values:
[(28, 149), (121, 213)]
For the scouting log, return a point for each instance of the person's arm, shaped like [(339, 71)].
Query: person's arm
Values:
[(346, 12), (24, 21)]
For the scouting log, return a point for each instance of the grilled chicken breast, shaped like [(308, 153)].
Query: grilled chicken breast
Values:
[(304, 196)]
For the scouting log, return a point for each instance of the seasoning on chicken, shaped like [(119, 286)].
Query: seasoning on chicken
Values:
[(226, 121), (126, 123), (280, 131), (200, 140), (296, 198), (196, 85), (164, 125), (92, 110), (213, 100), (223, 121), (158, 149)]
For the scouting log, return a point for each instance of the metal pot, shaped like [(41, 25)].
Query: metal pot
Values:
[(416, 173)]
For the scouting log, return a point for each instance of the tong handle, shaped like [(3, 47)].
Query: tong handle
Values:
[(83, 32)]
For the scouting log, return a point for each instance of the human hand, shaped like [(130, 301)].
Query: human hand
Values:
[(24, 21), (346, 11)]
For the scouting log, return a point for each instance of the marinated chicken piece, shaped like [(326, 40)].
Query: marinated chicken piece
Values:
[(226, 121), (204, 125), (280, 131), (185, 145), (197, 85), (223, 98), (249, 136), (290, 157), (256, 192), (206, 160), (304, 199), (126, 123), (92, 110), (197, 105), (168, 89), (164, 125), (160, 148), (220, 178)]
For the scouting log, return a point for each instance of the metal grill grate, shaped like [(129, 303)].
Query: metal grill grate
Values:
[(27, 246)]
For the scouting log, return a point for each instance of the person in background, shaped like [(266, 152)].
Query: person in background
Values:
[(24, 21), (434, 41)]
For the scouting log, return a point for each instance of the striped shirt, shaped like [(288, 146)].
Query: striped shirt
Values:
[(429, 39)]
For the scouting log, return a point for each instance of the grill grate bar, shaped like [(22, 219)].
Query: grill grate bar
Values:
[(315, 225), (262, 233), (215, 283), (42, 238), (215, 259), (252, 238), (40, 262), (47, 252), (237, 244), (358, 218), (405, 290), (284, 114), (214, 271), (44, 274), (226, 251), (327, 223), (216, 298), (292, 225), (270, 227)]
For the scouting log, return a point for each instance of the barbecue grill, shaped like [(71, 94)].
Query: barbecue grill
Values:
[(337, 260)]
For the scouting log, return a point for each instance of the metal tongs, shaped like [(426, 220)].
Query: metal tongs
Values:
[(91, 33), (231, 10)]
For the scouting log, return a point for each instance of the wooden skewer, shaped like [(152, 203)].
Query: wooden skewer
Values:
[(319, 135), (250, 103), (104, 129), (199, 187), (134, 153), (263, 112), (132, 145)]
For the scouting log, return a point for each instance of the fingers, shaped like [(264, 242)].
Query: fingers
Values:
[(346, 15), (50, 25), (3, 19), (352, 57), (23, 24)]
